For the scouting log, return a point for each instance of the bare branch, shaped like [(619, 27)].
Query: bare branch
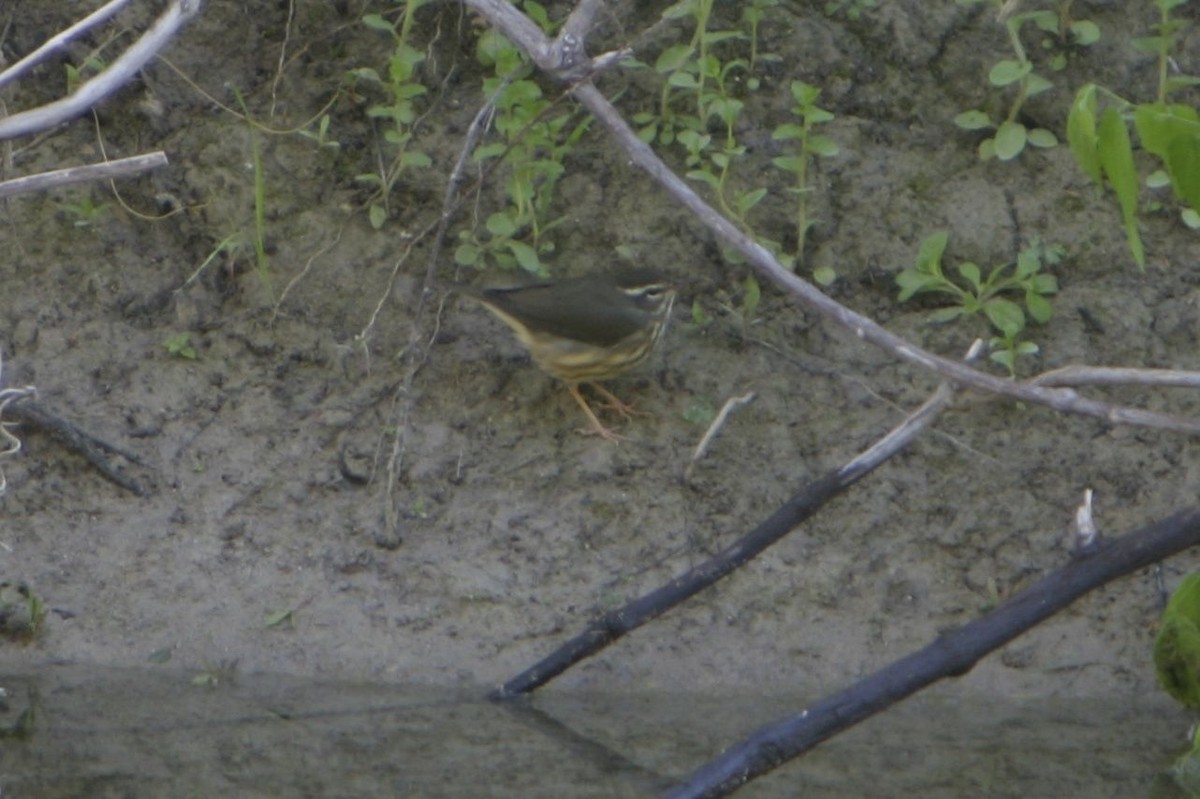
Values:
[(109, 170)]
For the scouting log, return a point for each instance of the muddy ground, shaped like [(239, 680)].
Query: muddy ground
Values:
[(511, 530)]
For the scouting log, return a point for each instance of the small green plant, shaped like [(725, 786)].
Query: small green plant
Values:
[(180, 346), (92, 65), (1011, 136), (21, 612), (752, 16), (401, 88), (972, 293), (85, 213), (1103, 148), (537, 137), (811, 145)]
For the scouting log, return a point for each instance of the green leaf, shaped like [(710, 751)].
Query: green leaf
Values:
[(378, 215), (1183, 162), (1081, 133), (913, 282), (1005, 315), (789, 163), (1002, 357), (747, 200), (500, 225), (1157, 179), (466, 255), (929, 254), (415, 159), (822, 146), (1116, 158), (673, 58), (1027, 263), (1008, 72), (1044, 284), (1190, 218), (706, 177), (751, 297), (526, 256), (1039, 307), (1085, 32), (970, 273), (1040, 137), (1010, 140), (973, 120), (1036, 84), (787, 131), (377, 22), (824, 276), (943, 315)]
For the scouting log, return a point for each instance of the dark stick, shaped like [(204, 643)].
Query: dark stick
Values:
[(93, 449), (804, 504), (951, 655)]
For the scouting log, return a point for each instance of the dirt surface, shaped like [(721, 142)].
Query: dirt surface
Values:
[(511, 529)]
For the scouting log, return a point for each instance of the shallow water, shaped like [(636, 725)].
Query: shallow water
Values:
[(144, 733)]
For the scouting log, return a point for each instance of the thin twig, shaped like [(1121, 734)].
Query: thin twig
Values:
[(732, 404), (109, 170)]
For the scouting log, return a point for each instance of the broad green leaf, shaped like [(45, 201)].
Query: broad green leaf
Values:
[(1007, 72), (824, 276), (378, 215), (1040, 137), (1085, 31), (973, 120), (526, 256), (822, 146), (1044, 284), (1081, 133), (789, 163), (377, 22), (1036, 84), (500, 225), (1157, 179), (913, 282), (1005, 315), (706, 177), (1010, 140), (1116, 158), (466, 255), (970, 273), (1039, 307), (673, 58), (788, 131)]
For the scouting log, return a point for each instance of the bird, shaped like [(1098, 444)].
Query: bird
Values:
[(585, 329)]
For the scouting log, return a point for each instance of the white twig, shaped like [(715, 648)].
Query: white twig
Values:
[(732, 404), (114, 77), (109, 170)]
